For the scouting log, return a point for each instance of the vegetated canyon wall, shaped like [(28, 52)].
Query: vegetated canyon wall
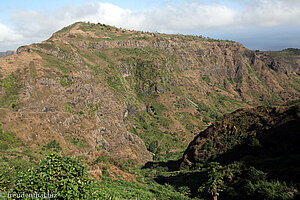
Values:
[(93, 86)]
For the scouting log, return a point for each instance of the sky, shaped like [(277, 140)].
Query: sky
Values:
[(257, 24)]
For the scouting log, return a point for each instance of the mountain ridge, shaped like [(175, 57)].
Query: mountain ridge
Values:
[(93, 86)]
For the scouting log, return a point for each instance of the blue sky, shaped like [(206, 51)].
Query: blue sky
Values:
[(258, 24)]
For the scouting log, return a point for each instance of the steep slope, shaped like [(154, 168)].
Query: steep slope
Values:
[(93, 86)]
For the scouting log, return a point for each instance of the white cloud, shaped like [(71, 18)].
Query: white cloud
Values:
[(31, 26), (270, 13), (7, 34), (8, 37), (190, 17)]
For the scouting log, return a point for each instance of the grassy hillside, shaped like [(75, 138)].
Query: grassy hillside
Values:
[(170, 86)]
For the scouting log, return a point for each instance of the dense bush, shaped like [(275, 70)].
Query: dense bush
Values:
[(269, 190), (64, 176), (4, 177)]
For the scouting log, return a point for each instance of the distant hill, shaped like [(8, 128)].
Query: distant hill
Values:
[(289, 58), (7, 53)]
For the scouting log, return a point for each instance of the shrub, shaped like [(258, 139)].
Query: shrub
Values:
[(69, 107), (12, 87), (255, 175), (184, 190), (8, 82), (65, 81), (269, 190), (64, 176), (53, 145), (153, 146), (215, 184), (4, 177)]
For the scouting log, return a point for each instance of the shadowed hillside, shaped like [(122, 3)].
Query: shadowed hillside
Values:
[(248, 154), (261, 131)]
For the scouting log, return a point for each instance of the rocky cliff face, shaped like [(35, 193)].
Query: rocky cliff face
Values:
[(80, 114), (94, 86)]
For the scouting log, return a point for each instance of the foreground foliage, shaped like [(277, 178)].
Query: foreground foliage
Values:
[(122, 189), (64, 176)]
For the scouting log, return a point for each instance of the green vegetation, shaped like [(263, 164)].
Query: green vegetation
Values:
[(208, 181), (254, 162), (9, 81), (68, 179), (8, 140), (54, 62), (211, 180), (209, 113), (242, 155), (69, 107), (142, 82), (11, 88), (52, 146), (114, 82), (148, 126), (4, 177), (144, 78), (269, 190), (156, 140), (214, 184), (65, 81), (77, 142), (92, 108), (64, 176), (10, 166), (121, 189), (274, 98), (13, 159), (103, 56)]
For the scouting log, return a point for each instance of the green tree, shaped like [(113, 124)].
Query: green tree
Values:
[(153, 146), (215, 184)]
